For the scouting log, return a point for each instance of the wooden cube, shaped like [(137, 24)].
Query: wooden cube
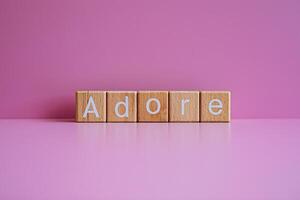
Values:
[(121, 106), (90, 106), (153, 106), (184, 106), (215, 106)]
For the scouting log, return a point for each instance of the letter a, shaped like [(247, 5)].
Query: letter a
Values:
[(87, 109)]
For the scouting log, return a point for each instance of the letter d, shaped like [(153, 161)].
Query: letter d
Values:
[(117, 106)]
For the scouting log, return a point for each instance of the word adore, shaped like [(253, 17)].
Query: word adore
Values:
[(152, 106)]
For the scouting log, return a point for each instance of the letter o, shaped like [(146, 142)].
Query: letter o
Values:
[(148, 106)]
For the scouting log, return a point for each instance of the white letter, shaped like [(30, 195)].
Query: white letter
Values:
[(183, 101), (148, 106), (219, 105), (125, 103), (87, 109)]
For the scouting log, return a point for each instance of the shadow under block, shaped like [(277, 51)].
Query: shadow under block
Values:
[(91, 106), (153, 106), (215, 106), (121, 106), (184, 106)]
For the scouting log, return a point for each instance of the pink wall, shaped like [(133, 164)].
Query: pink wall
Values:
[(51, 48)]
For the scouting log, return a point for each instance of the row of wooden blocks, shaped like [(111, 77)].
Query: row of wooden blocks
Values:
[(152, 106)]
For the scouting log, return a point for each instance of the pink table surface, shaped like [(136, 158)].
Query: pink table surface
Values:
[(59, 159)]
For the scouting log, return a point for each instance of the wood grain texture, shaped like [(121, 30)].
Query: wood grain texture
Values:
[(184, 106), (211, 109), (127, 110), (143, 99), (82, 99)]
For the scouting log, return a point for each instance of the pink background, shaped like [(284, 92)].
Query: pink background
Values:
[(49, 49), (44, 159)]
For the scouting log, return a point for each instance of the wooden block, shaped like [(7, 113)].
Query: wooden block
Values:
[(215, 106), (121, 106), (90, 106), (153, 106), (184, 106)]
